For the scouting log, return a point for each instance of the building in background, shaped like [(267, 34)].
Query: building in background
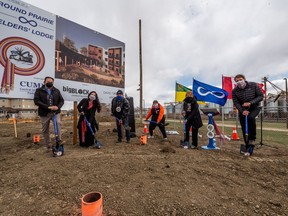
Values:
[(21, 108)]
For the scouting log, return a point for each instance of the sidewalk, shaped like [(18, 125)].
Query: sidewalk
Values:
[(258, 127), (219, 124)]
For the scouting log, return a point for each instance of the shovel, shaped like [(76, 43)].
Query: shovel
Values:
[(184, 132), (97, 144), (246, 148), (120, 122), (157, 123), (58, 149)]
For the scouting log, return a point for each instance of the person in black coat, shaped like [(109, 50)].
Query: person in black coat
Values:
[(87, 108), (193, 119), (49, 101), (120, 110), (246, 97)]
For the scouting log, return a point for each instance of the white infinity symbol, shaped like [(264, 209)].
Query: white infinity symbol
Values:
[(214, 93)]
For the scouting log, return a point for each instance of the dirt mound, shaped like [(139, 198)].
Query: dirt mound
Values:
[(159, 178)]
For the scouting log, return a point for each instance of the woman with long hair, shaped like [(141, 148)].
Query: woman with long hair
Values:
[(87, 109)]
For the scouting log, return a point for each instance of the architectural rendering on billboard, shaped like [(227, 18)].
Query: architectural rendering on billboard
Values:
[(35, 44), (89, 58)]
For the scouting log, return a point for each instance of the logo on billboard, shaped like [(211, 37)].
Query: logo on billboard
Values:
[(75, 90), (19, 56)]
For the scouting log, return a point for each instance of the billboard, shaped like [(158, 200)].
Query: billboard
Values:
[(35, 44)]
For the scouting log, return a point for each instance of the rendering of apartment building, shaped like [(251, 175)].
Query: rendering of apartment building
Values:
[(116, 61), (113, 58)]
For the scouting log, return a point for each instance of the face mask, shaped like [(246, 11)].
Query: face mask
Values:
[(155, 105), (241, 84), (92, 97), (119, 97), (49, 84)]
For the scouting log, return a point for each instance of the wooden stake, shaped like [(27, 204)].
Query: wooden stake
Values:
[(15, 128), (75, 123)]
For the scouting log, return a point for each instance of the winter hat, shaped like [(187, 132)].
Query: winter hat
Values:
[(119, 92)]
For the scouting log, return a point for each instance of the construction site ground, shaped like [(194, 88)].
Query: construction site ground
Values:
[(159, 178)]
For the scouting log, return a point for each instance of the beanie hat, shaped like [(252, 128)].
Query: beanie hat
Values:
[(119, 92)]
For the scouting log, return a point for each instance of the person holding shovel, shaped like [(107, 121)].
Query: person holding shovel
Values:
[(156, 113), (246, 97), (49, 101), (87, 108), (193, 119), (120, 110)]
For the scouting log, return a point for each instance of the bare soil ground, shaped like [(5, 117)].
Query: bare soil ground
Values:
[(159, 178)]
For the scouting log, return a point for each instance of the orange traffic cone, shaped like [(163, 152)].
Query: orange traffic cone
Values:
[(234, 134), (145, 130)]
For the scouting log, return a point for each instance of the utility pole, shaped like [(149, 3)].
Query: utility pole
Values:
[(140, 60)]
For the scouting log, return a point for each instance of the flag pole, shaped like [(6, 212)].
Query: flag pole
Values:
[(222, 114), (175, 90)]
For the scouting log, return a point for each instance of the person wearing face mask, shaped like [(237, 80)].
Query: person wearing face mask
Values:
[(246, 97), (156, 113), (87, 108), (49, 101), (120, 108)]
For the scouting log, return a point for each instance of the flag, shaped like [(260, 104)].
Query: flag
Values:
[(261, 85), (227, 85), (208, 93), (180, 93)]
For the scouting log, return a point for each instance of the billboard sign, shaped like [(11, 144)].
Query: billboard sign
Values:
[(35, 44)]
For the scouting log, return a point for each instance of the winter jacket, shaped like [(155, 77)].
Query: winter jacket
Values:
[(156, 113), (89, 113), (192, 113), (251, 93), (120, 108), (41, 100)]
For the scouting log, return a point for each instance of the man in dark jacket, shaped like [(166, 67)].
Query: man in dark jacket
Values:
[(120, 109), (193, 119), (246, 98), (49, 101)]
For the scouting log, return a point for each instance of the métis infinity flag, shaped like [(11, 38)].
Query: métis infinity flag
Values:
[(208, 93)]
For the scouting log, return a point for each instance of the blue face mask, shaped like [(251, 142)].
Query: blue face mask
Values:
[(119, 97)]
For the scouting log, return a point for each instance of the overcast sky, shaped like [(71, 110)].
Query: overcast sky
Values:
[(186, 39)]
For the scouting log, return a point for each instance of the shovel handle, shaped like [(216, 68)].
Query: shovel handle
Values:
[(246, 125)]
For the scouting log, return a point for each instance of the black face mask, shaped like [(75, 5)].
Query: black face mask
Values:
[(49, 84)]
